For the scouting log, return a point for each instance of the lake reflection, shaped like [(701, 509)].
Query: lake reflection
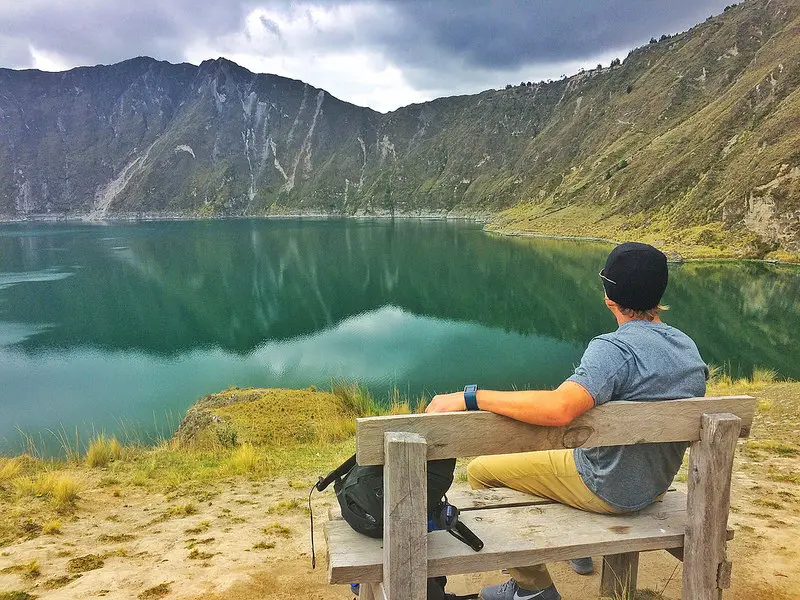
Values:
[(124, 326)]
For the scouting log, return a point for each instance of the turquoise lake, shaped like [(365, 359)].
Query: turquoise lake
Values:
[(120, 327)]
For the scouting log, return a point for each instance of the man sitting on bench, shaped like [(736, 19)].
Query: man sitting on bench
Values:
[(644, 360)]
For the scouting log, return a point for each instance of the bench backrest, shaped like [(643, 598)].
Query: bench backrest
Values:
[(454, 435)]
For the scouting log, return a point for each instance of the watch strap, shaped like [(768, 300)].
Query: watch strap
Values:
[(471, 397)]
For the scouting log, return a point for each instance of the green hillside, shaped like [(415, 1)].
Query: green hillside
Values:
[(690, 142)]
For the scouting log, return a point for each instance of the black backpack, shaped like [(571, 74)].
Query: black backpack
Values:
[(360, 494), (359, 491)]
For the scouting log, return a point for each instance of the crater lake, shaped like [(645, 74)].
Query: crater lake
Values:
[(119, 327)]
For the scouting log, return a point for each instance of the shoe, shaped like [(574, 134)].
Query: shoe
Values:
[(510, 590), (582, 566)]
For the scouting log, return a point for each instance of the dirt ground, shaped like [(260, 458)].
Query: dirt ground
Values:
[(251, 539)]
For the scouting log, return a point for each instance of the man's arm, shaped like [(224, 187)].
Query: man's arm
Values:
[(554, 408)]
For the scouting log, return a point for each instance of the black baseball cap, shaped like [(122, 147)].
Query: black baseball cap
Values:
[(635, 275)]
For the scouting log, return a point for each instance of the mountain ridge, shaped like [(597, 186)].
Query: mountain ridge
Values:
[(690, 142)]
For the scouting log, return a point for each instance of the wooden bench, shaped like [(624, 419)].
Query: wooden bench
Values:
[(518, 529)]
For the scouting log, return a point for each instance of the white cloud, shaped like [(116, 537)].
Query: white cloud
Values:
[(304, 44), (47, 61), (292, 45)]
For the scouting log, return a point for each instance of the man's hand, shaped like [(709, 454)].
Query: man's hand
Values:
[(447, 403)]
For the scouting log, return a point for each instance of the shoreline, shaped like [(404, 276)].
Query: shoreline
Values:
[(673, 255)]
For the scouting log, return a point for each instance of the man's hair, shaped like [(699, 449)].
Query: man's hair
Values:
[(647, 315)]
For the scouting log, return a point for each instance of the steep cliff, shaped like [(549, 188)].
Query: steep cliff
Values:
[(690, 140)]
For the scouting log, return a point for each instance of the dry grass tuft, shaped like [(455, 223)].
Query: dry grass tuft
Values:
[(199, 528), (103, 451), (30, 570), (9, 469), (285, 506), (52, 527), (245, 459), (61, 489)]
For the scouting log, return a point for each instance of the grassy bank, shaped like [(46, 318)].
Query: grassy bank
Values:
[(712, 241), (252, 434)]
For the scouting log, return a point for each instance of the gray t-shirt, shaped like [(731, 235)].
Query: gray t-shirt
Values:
[(642, 361)]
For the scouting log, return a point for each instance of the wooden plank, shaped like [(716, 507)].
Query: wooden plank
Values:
[(619, 575), (451, 435), (475, 499), (405, 519), (366, 591), (710, 465), (345, 542), (467, 500), (518, 536)]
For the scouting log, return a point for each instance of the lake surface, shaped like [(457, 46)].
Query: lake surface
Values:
[(119, 328)]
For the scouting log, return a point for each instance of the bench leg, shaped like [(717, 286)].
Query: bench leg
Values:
[(706, 570), (370, 591), (405, 518), (619, 573)]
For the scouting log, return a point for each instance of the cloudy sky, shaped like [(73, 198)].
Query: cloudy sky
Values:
[(378, 53)]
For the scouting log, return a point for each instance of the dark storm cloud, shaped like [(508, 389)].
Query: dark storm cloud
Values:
[(423, 37), (506, 34), (97, 31)]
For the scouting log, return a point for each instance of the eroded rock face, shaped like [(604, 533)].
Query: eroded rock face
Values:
[(769, 210), (698, 128)]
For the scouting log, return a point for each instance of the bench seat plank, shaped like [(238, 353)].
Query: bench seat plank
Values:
[(476, 499), (517, 536), (453, 435)]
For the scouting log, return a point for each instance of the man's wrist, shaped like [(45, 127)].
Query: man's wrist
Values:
[(471, 397)]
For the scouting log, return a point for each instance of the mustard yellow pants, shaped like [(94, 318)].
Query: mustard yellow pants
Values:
[(550, 474)]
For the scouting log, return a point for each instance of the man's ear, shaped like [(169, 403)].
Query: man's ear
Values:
[(610, 303)]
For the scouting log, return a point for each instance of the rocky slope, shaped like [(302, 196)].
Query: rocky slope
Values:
[(692, 138)]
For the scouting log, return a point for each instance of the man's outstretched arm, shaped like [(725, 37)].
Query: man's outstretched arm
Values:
[(555, 408)]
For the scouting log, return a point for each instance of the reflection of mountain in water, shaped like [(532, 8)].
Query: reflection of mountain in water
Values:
[(166, 288)]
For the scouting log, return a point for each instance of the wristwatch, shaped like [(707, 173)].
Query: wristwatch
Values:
[(471, 397)]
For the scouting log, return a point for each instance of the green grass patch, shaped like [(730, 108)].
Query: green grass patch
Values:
[(276, 528), (772, 447)]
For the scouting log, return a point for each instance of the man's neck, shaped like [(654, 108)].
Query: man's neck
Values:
[(622, 319)]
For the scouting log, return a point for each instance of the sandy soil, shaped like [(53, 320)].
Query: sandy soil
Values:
[(251, 539)]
